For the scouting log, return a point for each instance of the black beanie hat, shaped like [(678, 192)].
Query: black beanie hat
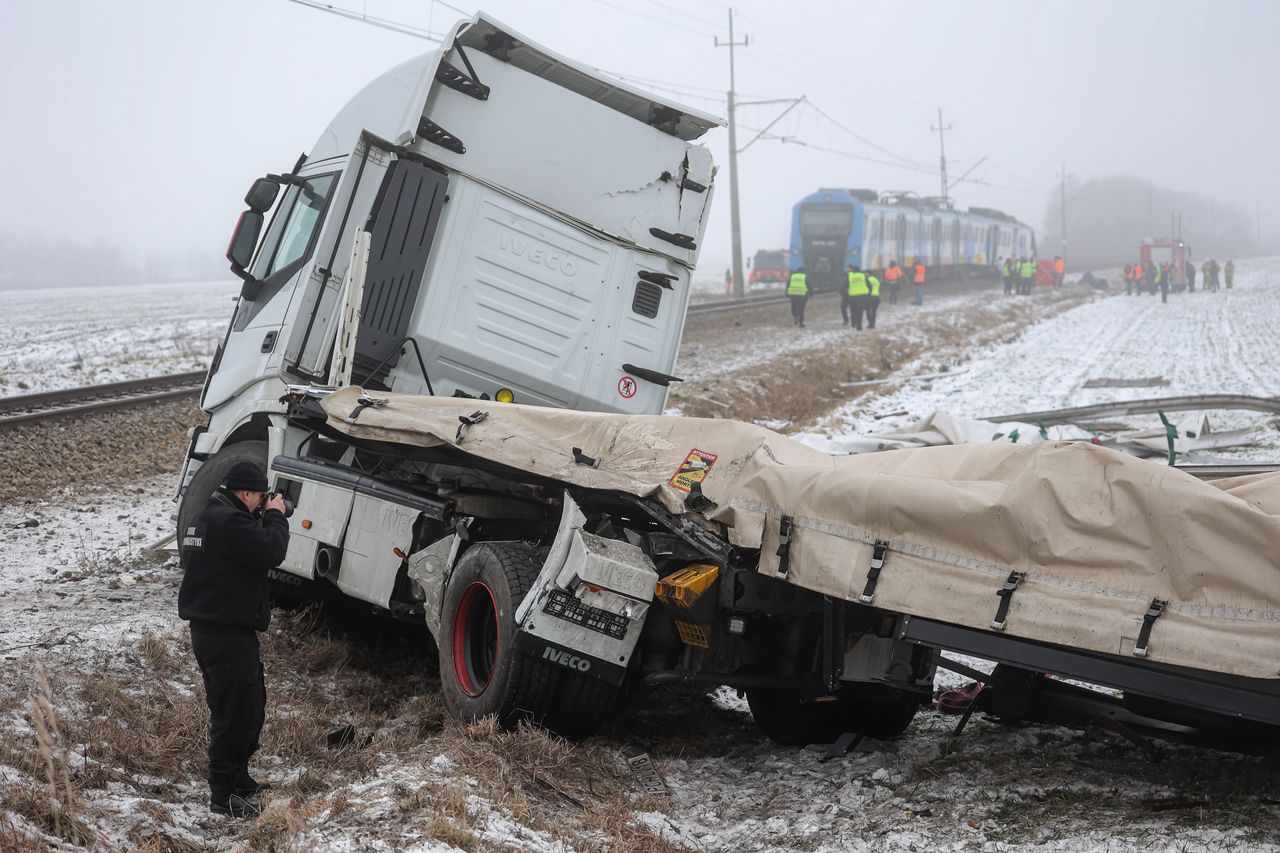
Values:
[(246, 476)]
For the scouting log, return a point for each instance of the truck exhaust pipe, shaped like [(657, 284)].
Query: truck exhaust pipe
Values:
[(328, 562)]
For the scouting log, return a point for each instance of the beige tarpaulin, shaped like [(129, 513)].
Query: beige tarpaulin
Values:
[(1098, 534)]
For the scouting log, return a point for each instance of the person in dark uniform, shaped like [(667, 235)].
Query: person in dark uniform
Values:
[(239, 535)]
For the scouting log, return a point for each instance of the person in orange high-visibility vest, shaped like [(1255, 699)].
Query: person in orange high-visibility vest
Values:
[(1059, 270), (892, 278), (917, 282)]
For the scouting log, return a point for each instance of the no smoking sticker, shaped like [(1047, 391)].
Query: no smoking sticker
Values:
[(693, 470), (627, 388)]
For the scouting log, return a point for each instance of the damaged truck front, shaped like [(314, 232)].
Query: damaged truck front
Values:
[(496, 222)]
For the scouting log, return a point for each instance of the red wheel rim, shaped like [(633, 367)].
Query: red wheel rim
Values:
[(475, 638)]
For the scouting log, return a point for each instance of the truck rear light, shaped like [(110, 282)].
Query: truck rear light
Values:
[(306, 524)]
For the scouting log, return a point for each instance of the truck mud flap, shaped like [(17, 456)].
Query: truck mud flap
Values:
[(571, 659), (588, 606)]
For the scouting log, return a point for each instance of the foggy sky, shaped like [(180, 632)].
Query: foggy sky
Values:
[(144, 122)]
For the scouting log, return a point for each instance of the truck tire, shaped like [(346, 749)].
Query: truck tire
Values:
[(877, 711), (480, 672), (210, 475), (793, 718)]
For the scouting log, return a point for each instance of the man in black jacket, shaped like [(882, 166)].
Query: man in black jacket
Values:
[(228, 551)]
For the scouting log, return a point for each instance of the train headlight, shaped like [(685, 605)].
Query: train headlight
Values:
[(505, 395)]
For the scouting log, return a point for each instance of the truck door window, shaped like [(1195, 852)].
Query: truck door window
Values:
[(291, 230), (289, 242)]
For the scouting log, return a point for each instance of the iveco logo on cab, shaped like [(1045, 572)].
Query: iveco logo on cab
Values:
[(566, 659), (526, 248)]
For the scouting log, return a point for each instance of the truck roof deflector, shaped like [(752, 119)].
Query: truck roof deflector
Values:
[(503, 43)]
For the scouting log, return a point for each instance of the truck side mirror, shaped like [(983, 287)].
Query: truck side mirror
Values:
[(240, 249), (244, 239), (262, 195)]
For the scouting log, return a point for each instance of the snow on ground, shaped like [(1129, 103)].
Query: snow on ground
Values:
[(65, 337), (75, 588), (1201, 343)]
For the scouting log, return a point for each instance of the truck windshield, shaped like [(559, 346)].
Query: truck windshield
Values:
[(291, 229), (769, 260)]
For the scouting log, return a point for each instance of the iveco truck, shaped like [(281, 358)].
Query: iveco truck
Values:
[(495, 222)]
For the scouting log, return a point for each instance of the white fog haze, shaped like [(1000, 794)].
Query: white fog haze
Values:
[(134, 128)]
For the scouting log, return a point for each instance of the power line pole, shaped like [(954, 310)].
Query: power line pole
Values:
[(735, 219), (942, 146), (1064, 211)]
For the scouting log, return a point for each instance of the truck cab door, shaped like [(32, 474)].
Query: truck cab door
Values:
[(283, 259)]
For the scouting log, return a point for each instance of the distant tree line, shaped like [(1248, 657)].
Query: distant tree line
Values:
[(1108, 217), (31, 262)]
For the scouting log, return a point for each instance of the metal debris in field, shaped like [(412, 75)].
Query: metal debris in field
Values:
[(1113, 382), (647, 775)]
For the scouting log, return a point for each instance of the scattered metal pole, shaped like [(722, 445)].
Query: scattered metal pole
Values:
[(739, 285)]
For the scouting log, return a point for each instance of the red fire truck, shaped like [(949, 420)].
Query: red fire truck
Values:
[(1161, 251), (768, 267)]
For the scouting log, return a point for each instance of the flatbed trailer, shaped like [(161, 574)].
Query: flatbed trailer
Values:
[(813, 666)]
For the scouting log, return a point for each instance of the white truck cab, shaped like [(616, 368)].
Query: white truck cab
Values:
[(532, 227)]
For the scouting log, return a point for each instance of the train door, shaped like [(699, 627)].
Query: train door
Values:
[(900, 240), (993, 244), (935, 241), (957, 246)]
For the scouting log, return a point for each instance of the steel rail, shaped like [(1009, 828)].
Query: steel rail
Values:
[(1148, 406), (48, 405)]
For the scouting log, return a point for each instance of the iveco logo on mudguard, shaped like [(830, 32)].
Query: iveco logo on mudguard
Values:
[(566, 659)]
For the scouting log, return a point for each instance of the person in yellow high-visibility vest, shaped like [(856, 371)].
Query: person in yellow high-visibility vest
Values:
[(1027, 276), (873, 299), (858, 293), (798, 293)]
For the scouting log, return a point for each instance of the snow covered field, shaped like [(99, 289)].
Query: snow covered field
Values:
[(79, 597), (1198, 343), (65, 337)]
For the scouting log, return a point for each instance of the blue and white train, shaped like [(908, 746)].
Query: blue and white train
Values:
[(833, 228)]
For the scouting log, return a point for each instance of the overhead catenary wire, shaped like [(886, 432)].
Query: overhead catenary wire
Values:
[(383, 23)]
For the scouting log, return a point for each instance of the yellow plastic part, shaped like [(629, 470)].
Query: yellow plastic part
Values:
[(692, 634), (685, 586)]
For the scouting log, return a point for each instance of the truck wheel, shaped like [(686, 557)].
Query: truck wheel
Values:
[(480, 673), (793, 718), (210, 476), (875, 711)]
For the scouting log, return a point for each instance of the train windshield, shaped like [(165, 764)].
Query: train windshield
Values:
[(826, 220)]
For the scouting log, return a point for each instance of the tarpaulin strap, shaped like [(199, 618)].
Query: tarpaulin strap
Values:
[(1170, 434), (1006, 598), (784, 546), (583, 459), (365, 403), (466, 421), (1148, 622), (878, 552)]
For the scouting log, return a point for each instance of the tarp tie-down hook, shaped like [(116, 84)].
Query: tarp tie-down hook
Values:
[(1142, 646), (1006, 598), (466, 421), (365, 403), (878, 552), (784, 546)]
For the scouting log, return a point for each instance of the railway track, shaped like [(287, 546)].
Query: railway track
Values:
[(66, 402)]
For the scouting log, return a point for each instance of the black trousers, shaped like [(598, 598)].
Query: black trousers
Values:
[(844, 308), (236, 691), (873, 305), (797, 309), (857, 305)]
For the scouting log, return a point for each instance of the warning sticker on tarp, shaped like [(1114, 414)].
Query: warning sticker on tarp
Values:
[(693, 470)]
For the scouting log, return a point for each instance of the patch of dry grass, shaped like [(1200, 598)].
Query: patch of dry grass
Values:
[(801, 387)]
